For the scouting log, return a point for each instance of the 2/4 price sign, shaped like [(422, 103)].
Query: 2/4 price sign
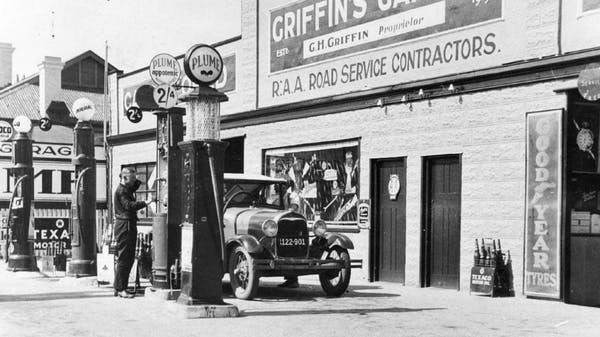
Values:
[(165, 96)]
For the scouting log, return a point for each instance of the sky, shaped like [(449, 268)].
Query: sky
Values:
[(135, 30)]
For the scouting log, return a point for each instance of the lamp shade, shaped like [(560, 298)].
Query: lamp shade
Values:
[(22, 124), (83, 109)]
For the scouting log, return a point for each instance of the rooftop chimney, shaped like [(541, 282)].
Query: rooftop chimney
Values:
[(6, 51), (50, 81)]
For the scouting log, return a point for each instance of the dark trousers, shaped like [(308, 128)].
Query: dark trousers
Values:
[(126, 236)]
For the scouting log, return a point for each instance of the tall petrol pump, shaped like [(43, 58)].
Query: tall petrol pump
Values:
[(20, 245), (83, 204), (166, 237), (202, 153)]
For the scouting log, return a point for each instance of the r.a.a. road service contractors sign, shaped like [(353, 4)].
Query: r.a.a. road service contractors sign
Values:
[(318, 48)]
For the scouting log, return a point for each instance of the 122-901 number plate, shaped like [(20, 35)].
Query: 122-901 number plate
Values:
[(292, 242)]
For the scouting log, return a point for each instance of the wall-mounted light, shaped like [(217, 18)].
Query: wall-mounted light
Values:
[(421, 92), (403, 100), (380, 102), (410, 107), (451, 87)]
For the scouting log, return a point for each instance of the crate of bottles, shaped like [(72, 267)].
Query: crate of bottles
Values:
[(492, 269)]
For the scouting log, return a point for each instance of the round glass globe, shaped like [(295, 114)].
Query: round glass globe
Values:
[(22, 124), (83, 109)]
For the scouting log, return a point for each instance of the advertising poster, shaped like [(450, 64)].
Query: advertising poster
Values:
[(318, 48), (323, 179), (543, 204), (51, 234)]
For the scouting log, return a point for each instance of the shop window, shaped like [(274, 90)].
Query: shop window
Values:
[(323, 179), (146, 175)]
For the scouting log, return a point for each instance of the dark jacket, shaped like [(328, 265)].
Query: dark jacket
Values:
[(125, 205)]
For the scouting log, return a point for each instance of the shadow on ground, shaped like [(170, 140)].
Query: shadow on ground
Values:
[(54, 296), (335, 311)]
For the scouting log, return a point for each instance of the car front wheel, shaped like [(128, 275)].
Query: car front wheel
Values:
[(335, 283), (244, 281)]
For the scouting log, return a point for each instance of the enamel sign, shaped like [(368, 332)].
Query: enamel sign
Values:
[(164, 69), (203, 64)]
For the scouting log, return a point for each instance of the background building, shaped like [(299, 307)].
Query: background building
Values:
[(51, 93), (458, 120)]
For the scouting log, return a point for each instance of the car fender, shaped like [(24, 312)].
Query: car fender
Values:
[(249, 242), (337, 239)]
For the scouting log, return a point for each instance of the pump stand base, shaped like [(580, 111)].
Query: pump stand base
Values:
[(161, 294), (22, 263), (81, 268), (203, 310)]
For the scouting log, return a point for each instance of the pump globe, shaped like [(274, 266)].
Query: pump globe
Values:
[(22, 124), (83, 109)]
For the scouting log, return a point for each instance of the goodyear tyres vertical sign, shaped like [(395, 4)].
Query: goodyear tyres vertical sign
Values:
[(543, 204)]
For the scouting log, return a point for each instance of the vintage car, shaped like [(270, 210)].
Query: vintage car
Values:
[(265, 238)]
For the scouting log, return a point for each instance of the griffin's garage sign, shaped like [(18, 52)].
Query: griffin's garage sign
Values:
[(318, 48), (51, 233), (543, 204)]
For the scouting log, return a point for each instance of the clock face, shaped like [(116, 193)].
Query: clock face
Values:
[(585, 139)]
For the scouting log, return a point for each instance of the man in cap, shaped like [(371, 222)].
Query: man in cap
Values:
[(125, 209)]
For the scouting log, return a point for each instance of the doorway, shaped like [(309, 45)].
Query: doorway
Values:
[(389, 235), (441, 220)]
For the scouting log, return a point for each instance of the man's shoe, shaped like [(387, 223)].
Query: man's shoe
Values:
[(289, 284), (124, 294)]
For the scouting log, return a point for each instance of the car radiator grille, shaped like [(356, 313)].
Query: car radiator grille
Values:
[(292, 238)]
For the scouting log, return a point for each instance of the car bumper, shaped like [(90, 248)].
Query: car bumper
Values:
[(304, 264)]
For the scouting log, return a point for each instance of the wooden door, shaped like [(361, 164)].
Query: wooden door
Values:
[(390, 221), (442, 221)]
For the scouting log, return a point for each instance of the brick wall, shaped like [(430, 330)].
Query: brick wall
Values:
[(487, 129)]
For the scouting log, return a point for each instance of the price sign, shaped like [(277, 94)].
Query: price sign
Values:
[(165, 96), (134, 114), (45, 124)]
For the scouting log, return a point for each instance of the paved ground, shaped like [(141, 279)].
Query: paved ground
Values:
[(34, 305)]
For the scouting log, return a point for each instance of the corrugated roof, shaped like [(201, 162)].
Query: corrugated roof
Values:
[(24, 100)]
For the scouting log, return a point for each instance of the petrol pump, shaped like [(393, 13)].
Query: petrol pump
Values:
[(166, 240), (202, 159), (20, 244)]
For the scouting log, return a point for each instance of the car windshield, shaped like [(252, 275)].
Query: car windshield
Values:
[(250, 193)]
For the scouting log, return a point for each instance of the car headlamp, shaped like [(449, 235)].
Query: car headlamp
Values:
[(269, 227), (319, 228)]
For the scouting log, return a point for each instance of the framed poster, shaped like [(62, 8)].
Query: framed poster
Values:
[(543, 204), (323, 179)]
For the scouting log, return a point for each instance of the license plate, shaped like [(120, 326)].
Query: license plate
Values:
[(292, 242)]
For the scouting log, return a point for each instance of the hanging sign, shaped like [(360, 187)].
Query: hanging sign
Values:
[(134, 114), (203, 64), (6, 131), (543, 204), (588, 82), (393, 186), (17, 203), (164, 69), (45, 124), (165, 96)]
